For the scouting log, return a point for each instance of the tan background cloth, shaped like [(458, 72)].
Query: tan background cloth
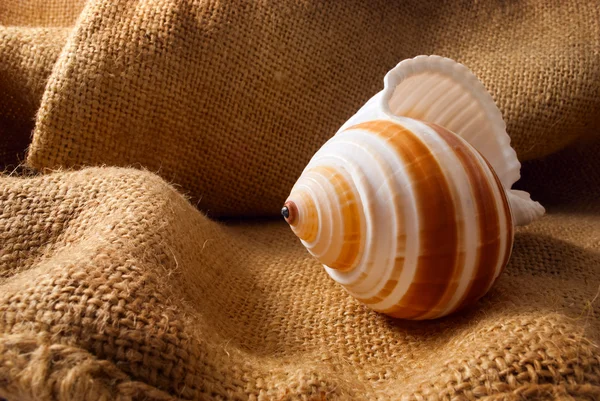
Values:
[(229, 100), (113, 285)]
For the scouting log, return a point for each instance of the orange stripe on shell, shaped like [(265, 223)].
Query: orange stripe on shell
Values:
[(438, 237), (349, 209), (489, 250)]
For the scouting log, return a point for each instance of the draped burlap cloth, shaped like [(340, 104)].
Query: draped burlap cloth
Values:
[(127, 128)]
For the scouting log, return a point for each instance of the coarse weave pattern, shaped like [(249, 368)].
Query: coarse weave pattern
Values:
[(114, 283), (191, 89), (113, 269)]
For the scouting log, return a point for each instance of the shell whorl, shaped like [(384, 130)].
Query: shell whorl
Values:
[(327, 207), (409, 206), (406, 215)]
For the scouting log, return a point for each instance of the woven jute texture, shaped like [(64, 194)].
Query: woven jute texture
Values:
[(115, 287), (139, 122), (229, 100), (32, 35)]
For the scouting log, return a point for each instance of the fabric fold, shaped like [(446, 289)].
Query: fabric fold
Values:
[(114, 268), (28, 55), (146, 120), (190, 90)]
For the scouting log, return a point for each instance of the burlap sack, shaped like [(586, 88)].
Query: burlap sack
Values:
[(113, 285), (229, 100), (32, 35)]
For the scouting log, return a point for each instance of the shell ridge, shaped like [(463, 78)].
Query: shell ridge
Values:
[(497, 150), (333, 183), (364, 191), (320, 218), (525, 210), (390, 188), (487, 190), (417, 299), (410, 206), (467, 228), (354, 137)]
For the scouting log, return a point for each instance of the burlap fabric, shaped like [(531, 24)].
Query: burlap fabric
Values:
[(229, 100), (114, 284)]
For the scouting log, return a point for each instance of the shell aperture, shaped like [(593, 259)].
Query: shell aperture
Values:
[(406, 214)]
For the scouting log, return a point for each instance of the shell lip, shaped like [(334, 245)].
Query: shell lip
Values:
[(394, 77), (408, 67), (405, 69)]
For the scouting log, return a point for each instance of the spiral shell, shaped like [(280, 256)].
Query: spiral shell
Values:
[(409, 216)]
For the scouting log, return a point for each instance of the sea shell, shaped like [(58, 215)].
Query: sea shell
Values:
[(409, 205)]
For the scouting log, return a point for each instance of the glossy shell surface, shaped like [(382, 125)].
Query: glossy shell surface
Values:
[(412, 218), (406, 215)]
